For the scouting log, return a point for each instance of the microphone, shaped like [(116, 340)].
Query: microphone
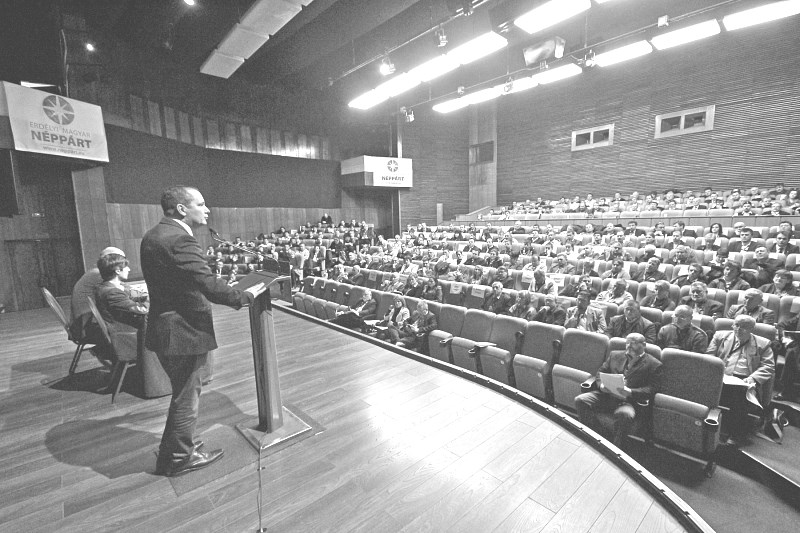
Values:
[(216, 237)]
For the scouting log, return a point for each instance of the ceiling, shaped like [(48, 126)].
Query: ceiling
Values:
[(335, 45)]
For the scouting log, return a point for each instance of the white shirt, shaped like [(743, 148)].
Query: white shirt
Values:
[(185, 226)]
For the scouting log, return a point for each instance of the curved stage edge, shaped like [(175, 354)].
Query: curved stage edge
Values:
[(678, 508)]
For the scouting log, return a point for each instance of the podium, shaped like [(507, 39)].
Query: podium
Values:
[(275, 423)]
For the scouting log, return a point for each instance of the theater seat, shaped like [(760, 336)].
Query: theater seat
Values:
[(451, 319), (685, 413), (477, 328), (496, 361), (582, 353), (474, 296), (533, 365)]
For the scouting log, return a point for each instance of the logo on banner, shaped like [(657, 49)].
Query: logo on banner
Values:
[(392, 165), (58, 110)]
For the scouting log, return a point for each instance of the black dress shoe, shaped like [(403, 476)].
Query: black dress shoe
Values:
[(196, 461)]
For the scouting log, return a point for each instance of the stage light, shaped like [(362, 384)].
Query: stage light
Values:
[(518, 85), (686, 35), (386, 67), (441, 37), (477, 48), (189, 2), (623, 53), (557, 74), (550, 14), (90, 47), (759, 15)]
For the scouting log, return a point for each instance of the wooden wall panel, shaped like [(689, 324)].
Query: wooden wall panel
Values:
[(751, 76)]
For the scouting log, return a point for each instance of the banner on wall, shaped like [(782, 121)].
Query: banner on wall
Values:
[(51, 124), (379, 171)]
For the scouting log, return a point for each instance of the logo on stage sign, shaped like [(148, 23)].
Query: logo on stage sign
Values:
[(58, 110), (392, 165)]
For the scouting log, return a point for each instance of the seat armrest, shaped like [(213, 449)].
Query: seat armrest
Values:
[(446, 342), (712, 419), (588, 385), (478, 346)]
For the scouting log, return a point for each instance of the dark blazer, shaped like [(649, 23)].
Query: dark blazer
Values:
[(618, 326), (643, 377), (180, 286), (711, 307), (118, 310), (790, 249)]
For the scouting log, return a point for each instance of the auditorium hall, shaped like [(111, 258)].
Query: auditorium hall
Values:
[(400, 265)]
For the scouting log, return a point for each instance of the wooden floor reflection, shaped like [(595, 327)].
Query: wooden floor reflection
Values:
[(406, 447)]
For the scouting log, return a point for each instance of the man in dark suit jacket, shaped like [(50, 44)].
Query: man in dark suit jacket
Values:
[(414, 334), (631, 321), (783, 246), (681, 227), (642, 376), (354, 317), (180, 325)]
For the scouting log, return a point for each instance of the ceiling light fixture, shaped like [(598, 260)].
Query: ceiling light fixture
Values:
[(438, 66), (386, 67), (557, 74), (689, 34), (90, 47), (477, 48), (761, 14), (519, 85), (623, 53), (550, 14), (189, 2), (441, 37), (451, 105)]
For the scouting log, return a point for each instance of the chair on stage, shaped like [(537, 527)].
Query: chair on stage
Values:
[(125, 347), (62, 317)]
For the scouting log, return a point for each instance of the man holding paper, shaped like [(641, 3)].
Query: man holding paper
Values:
[(626, 376)]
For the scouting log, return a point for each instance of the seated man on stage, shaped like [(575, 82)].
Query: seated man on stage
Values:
[(748, 357), (354, 317), (120, 312), (641, 374)]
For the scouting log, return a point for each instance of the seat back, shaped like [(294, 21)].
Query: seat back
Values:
[(618, 343), (790, 305), (371, 279), (453, 292), (318, 289), (308, 284), (475, 296), (384, 300), (477, 325), (451, 319), (691, 376), (505, 330), (56, 308), (99, 319), (583, 350), (330, 290), (538, 342)]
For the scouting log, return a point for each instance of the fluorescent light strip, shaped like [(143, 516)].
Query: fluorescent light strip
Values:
[(623, 53), (557, 74), (368, 99), (477, 48), (483, 95), (517, 86), (686, 35), (759, 15), (397, 85), (438, 66), (451, 105), (550, 14)]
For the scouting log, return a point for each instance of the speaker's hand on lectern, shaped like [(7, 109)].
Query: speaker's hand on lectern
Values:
[(255, 291)]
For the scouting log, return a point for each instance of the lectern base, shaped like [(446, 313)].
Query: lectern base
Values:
[(292, 428)]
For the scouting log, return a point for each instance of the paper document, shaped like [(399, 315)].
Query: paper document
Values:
[(374, 324), (613, 383)]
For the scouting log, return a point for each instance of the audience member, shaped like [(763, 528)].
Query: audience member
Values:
[(498, 301), (660, 299), (752, 307), (582, 316), (523, 307), (651, 272), (551, 312), (781, 285), (354, 317), (699, 302), (617, 271), (394, 320), (682, 334), (631, 321), (414, 334), (731, 279), (617, 293)]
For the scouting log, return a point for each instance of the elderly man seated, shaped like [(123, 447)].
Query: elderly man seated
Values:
[(353, 318), (584, 317), (617, 293), (414, 334), (699, 302), (682, 334), (651, 272), (752, 307), (551, 312), (660, 299), (498, 301), (749, 358), (631, 321), (641, 375)]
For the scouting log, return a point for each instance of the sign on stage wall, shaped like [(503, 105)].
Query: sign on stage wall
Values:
[(51, 124), (380, 171)]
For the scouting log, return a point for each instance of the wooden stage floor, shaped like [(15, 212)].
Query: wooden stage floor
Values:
[(405, 447)]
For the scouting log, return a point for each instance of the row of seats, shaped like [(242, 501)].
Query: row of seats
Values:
[(666, 213), (550, 362)]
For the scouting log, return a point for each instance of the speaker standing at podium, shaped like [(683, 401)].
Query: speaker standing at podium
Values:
[(180, 324)]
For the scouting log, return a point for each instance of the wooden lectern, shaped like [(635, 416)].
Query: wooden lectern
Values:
[(275, 424)]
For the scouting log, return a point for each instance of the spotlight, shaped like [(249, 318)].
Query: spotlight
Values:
[(588, 60), (90, 47), (387, 67), (189, 2), (461, 90), (441, 37), (466, 7), (508, 86), (410, 116)]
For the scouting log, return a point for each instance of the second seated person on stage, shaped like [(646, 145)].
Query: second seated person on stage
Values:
[(119, 311), (641, 378)]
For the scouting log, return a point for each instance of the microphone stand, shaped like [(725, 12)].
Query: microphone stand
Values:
[(216, 237)]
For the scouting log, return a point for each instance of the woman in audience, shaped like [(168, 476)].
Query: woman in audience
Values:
[(523, 307), (731, 279), (233, 278), (781, 285), (394, 320), (432, 291), (414, 286)]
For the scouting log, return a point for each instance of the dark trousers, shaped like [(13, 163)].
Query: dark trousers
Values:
[(349, 320), (791, 370), (589, 404), (185, 373)]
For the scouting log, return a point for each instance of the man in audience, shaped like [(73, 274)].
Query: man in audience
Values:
[(617, 293), (681, 256), (354, 317), (682, 334), (660, 299), (731, 279), (641, 379), (675, 240), (82, 325), (747, 357), (541, 284), (498, 301), (561, 265), (693, 273), (763, 265), (501, 276), (631, 321), (783, 246), (551, 312), (633, 230), (582, 316), (699, 302), (680, 227), (745, 242), (752, 307), (651, 272), (617, 271), (414, 335), (356, 277)]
